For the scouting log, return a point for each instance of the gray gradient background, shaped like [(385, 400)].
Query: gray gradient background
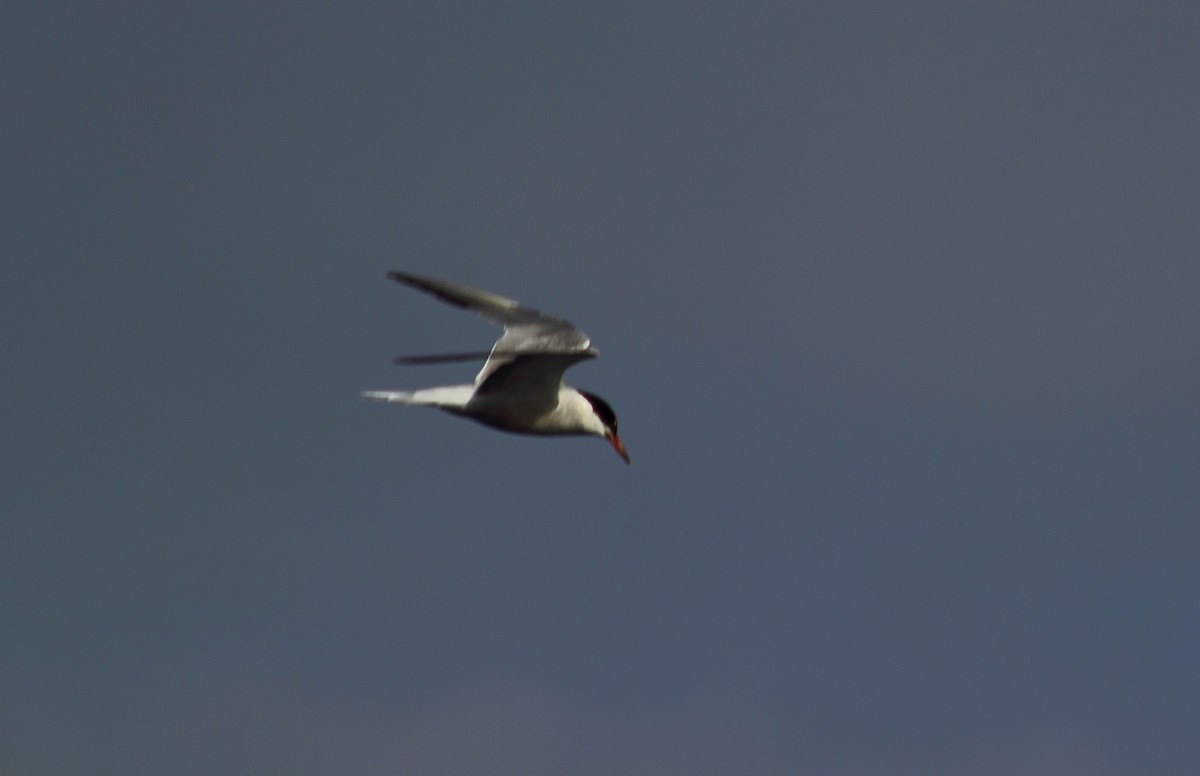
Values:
[(898, 307)]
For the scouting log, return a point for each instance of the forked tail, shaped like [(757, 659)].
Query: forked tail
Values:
[(446, 396)]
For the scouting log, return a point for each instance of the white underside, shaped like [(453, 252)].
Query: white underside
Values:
[(510, 411)]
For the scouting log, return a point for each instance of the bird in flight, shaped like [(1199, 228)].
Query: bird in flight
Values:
[(520, 388)]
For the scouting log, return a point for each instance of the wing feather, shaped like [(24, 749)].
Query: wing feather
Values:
[(527, 332)]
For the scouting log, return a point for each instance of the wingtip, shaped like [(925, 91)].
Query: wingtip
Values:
[(425, 284)]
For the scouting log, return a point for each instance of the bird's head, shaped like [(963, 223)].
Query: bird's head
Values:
[(608, 423)]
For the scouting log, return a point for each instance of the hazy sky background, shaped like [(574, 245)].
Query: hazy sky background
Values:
[(898, 308)]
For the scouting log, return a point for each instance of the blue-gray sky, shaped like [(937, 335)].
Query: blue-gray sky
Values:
[(898, 311)]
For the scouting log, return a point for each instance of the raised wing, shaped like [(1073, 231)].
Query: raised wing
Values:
[(527, 332)]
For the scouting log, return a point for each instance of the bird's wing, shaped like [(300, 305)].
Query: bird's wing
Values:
[(535, 378), (539, 347)]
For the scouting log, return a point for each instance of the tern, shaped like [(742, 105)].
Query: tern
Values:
[(520, 387)]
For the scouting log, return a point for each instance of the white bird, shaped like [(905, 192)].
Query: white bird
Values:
[(520, 388)]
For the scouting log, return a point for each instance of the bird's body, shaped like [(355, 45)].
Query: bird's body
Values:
[(520, 387)]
